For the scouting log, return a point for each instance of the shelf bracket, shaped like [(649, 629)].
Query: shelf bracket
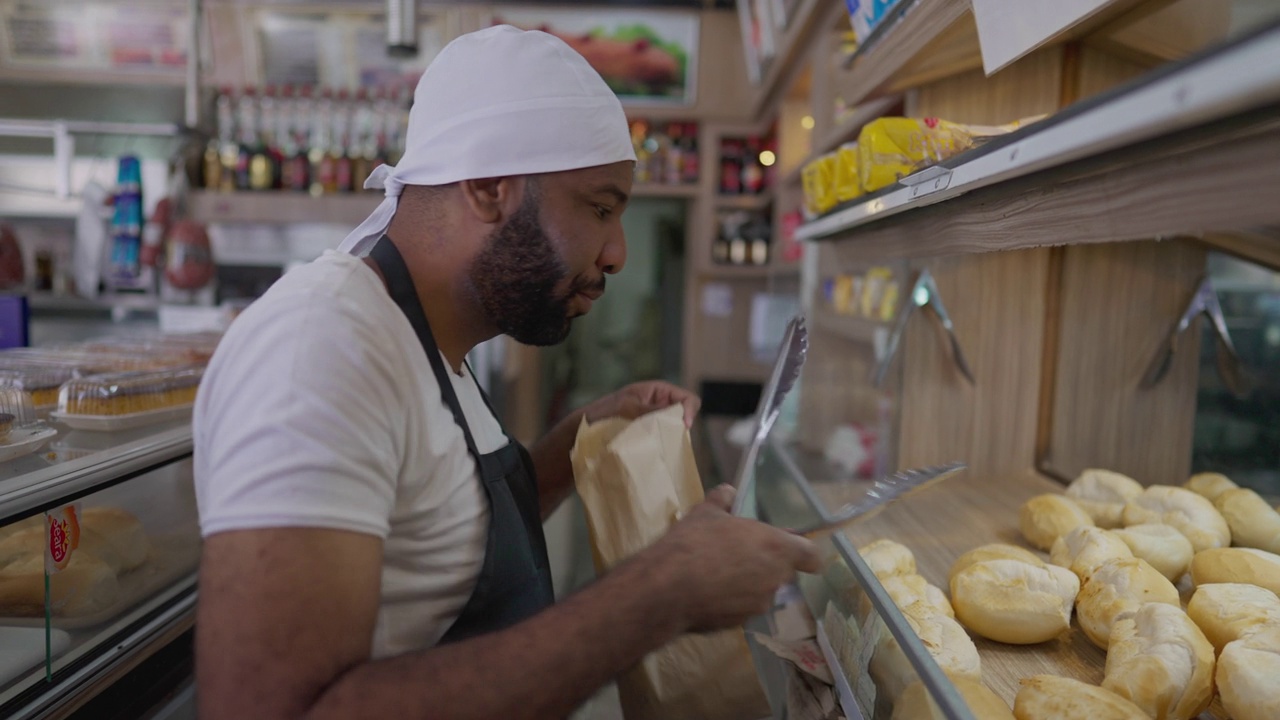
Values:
[(924, 295), (1203, 301)]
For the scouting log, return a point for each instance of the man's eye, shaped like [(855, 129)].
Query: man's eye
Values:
[(603, 212)]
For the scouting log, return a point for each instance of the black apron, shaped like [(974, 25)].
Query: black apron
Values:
[(515, 579)]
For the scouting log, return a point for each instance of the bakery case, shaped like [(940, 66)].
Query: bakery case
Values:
[(1097, 289), (125, 595)]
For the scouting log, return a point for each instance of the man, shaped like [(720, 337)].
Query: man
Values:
[(373, 542)]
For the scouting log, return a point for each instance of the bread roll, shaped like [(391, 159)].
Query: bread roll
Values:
[(994, 551), (1191, 514), (1249, 676), (1253, 522), (908, 590), (1237, 565), (1045, 518), (1229, 611), (1168, 550), (85, 586), (915, 703), (1103, 494), (1115, 591), (887, 558), (1086, 548), (1161, 662), (944, 640), (1049, 697), (1210, 485), (112, 535), (1014, 602)]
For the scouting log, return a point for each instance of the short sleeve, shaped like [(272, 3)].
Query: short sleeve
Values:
[(298, 422)]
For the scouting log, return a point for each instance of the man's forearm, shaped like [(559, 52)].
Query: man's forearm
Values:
[(551, 462), (542, 668)]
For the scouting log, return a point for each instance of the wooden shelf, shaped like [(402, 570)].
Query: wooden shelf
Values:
[(1129, 165), (281, 206), (849, 327), (745, 272), (794, 40), (660, 190), (744, 202)]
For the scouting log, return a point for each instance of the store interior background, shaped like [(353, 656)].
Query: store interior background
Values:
[(647, 326)]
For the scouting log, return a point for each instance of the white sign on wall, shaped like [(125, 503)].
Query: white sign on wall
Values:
[(1009, 30)]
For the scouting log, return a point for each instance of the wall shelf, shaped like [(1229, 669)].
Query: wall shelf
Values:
[(1125, 165), (660, 190), (281, 206), (744, 202), (747, 272), (849, 327)]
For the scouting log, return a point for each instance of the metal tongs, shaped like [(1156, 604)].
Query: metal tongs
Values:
[(786, 370), (883, 492), (1205, 300), (924, 295)]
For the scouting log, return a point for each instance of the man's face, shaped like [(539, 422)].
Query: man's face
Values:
[(546, 264)]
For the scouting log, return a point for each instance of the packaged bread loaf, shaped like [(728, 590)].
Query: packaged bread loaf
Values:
[(1012, 596), (1049, 697), (1191, 514), (1253, 522), (1210, 485), (1045, 518), (1226, 612), (1085, 549), (1103, 494), (916, 703), (1166, 549), (1116, 591), (1237, 565), (1159, 660), (1248, 676)]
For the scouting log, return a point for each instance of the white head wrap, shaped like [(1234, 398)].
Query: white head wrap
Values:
[(497, 103)]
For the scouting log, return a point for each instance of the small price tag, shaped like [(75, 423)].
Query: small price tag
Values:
[(62, 537)]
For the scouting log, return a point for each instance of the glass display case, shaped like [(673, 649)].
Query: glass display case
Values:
[(121, 569)]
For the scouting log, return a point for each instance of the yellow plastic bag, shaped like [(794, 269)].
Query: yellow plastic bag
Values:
[(891, 148), (848, 184), (819, 181), (634, 477)]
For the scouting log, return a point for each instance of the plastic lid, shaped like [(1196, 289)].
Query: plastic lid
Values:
[(18, 404)]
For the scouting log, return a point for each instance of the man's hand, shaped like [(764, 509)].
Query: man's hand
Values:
[(727, 568), (642, 398)]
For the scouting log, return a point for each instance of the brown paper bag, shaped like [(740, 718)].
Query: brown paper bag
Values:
[(634, 477)]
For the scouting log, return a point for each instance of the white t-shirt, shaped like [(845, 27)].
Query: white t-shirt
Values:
[(319, 409)]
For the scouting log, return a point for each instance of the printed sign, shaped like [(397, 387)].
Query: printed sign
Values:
[(62, 537)]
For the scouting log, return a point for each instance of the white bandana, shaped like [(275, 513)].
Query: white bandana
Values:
[(500, 102)]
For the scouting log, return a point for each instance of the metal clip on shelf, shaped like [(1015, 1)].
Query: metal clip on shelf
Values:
[(1203, 301), (924, 295)]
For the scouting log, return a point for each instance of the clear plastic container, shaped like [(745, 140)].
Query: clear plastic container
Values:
[(129, 393), (17, 404), (41, 382)]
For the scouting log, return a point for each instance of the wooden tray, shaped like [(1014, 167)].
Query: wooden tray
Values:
[(941, 522), (170, 559)]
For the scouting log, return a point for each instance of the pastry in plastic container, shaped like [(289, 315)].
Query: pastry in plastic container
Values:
[(16, 404), (42, 383), (129, 393)]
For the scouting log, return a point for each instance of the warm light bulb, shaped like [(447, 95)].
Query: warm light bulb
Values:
[(767, 158), (806, 122)]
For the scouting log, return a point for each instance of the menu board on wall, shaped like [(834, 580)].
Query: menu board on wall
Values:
[(143, 37)]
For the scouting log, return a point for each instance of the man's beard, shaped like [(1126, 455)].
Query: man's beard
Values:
[(515, 278)]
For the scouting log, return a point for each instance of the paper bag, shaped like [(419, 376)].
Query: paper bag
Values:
[(634, 478)]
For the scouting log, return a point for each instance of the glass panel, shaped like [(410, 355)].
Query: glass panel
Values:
[(1240, 437), (139, 545)]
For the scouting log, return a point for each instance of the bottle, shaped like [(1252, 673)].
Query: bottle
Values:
[(247, 141), (690, 167), (364, 146), (297, 177), (213, 167), (730, 167), (262, 168), (674, 167), (640, 143), (720, 248), (752, 170), (322, 168), (227, 147)]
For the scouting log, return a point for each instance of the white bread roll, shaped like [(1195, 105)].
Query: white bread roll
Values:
[(111, 535), (1227, 612), (85, 586), (1237, 565), (1168, 550), (994, 551), (944, 640), (1210, 485), (1161, 662), (1045, 518), (908, 590), (887, 558), (1014, 602), (915, 702), (1115, 591), (1103, 494), (1049, 697), (1253, 522), (1086, 548), (1191, 514), (1249, 676)]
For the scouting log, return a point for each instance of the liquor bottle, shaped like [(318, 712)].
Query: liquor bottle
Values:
[(247, 141), (674, 167), (752, 170), (221, 137), (689, 170), (730, 167), (297, 176), (639, 142), (262, 168), (340, 147), (322, 167), (364, 146)]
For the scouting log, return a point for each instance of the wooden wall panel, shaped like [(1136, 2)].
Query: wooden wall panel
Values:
[(1101, 70), (1030, 86), (997, 302), (1118, 302)]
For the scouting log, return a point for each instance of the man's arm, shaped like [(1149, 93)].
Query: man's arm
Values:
[(551, 453), (286, 620)]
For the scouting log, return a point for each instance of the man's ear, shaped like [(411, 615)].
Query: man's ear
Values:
[(491, 200)]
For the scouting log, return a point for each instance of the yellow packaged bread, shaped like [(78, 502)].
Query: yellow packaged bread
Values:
[(891, 148), (847, 184), (819, 181)]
